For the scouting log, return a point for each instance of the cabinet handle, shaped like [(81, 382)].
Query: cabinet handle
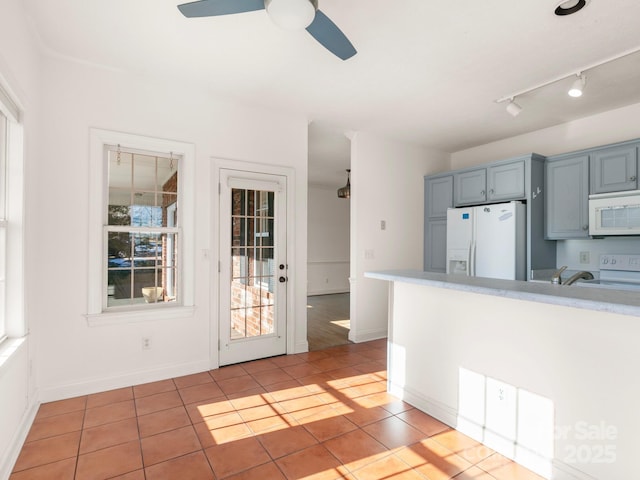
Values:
[(482, 192), (632, 179), (491, 191), (585, 227)]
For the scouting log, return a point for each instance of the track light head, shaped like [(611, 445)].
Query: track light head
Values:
[(513, 108), (577, 86)]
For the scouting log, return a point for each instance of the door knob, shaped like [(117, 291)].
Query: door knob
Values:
[(281, 266), (282, 279)]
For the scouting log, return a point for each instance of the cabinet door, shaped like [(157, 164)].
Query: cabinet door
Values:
[(435, 245), (614, 169), (506, 182), (438, 196), (471, 187), (566, 201)]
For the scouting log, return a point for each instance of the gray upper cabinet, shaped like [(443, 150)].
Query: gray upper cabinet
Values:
[(471, 187), (505, 182), (438, 196), (614, 169), (566, 206), (495, 183)]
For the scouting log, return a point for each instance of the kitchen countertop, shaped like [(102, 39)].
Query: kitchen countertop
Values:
[(599, 299)]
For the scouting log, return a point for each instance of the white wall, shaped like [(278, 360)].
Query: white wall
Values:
[(387, 184), (20, 75), (608, 127), (328, 241), (74, 358), (584, 362)]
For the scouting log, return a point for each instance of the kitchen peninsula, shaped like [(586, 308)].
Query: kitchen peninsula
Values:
[(526, 368)]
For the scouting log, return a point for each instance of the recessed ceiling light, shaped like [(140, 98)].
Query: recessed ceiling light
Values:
[(567, 7)]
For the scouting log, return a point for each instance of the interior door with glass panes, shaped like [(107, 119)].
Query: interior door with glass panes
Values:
[(253, 266)]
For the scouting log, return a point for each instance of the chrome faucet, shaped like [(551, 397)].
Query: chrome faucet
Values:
[(580, 275), (556, 279)]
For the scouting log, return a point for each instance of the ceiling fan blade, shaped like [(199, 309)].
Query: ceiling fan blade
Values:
[(211, 8), (330, 36)]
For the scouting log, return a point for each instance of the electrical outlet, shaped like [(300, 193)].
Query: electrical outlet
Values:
[(584, 257), (383, 224), (146, 343)]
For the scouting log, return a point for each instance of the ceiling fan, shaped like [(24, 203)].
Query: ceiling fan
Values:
[(289, 14)]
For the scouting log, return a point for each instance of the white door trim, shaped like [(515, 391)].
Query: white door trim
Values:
[(243, 166)]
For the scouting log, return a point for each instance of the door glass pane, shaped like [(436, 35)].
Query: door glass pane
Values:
[(253, 271)]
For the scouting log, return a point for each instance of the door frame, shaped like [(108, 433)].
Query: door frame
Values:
[(215, 254)]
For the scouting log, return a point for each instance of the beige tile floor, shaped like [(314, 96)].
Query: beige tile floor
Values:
[(321, 415)]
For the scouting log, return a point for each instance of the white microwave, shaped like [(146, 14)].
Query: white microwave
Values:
[(615, 213)]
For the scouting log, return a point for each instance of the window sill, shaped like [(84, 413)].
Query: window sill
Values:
[(8, 350), (147, 315)]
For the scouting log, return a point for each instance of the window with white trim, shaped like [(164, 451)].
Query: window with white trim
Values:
[(11, 212), (3, 223), (141, 228)]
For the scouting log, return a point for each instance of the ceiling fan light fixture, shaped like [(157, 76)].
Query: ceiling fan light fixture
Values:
[(568, 7), (291, 14), (513, 108), (578, 86), (345, 192)]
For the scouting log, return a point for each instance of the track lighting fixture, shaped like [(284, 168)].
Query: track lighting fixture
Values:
[(577, 86), (513, 108)]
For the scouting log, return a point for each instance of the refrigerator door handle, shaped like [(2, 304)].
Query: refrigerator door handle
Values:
[(471, 269)]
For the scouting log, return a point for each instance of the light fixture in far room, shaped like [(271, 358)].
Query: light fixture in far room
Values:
[(345, 192), (513, 108), (577, 86), (291, 14)]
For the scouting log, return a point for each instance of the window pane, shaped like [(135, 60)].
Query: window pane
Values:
[(238, 227), (119, 250), (239, 263), (147, 249), (238, 206), (169, 210), (144, 173), (142, 267), (167, 175), (3, 166), (147, 285), (120, 164), (118, 287)]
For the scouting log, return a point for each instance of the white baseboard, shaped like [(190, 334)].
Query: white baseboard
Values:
[(367, 335), (326, 291), (95, 385), (18, 439), (564, 471), (449, 416), (301, 347), (432, 407)]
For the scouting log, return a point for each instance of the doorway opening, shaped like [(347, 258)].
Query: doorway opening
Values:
[(329, 237)]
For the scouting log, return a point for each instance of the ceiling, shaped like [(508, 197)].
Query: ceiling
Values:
[(426, 72)]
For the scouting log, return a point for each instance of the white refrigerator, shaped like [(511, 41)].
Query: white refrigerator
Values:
[(487, 241)]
